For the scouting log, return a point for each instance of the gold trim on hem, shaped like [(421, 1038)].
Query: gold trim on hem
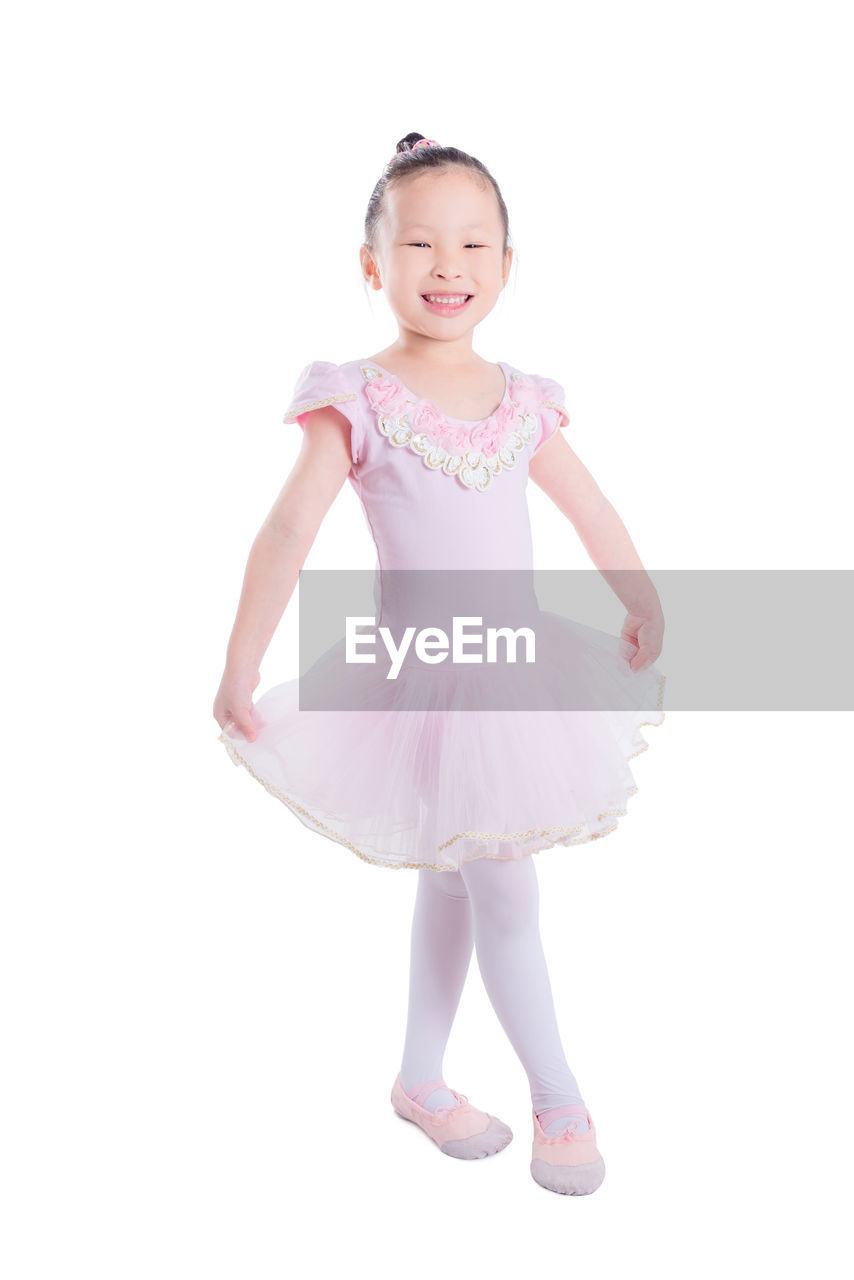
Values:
[(564, 839)]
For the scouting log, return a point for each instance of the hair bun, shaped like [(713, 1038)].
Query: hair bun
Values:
[(412, 142), (406, 144)]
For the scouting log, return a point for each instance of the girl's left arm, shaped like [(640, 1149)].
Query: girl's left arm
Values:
[(561, 474)]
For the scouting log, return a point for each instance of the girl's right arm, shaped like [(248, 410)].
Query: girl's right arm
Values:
[(276, 557)]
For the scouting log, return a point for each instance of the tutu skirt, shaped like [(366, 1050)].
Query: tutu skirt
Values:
[(416, 772)]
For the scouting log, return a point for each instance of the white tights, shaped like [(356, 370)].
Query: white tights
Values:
[(493, 905)]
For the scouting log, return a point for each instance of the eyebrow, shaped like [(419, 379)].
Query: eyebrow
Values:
[(423, 226)]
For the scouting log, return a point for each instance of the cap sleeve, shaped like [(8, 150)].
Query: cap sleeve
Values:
[(322, 383), (552, 412)]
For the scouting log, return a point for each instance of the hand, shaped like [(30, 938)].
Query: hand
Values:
[(640, 639), (233, 702)]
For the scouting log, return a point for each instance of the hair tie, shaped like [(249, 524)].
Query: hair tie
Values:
[(422, 142)]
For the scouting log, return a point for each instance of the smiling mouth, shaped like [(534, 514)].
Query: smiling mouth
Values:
[(442, 305)]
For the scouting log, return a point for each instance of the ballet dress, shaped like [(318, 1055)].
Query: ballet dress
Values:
[(451, 762)]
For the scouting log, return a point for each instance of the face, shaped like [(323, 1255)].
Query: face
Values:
[(441, 233)]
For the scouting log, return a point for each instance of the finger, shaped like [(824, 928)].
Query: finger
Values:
[(246, 727), (644, 659), (243, 724)]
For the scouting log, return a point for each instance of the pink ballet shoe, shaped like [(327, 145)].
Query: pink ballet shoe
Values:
[(567, 1162), (460, 1131)]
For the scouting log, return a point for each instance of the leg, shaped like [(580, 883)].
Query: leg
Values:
[(441, 948), (504, 896)]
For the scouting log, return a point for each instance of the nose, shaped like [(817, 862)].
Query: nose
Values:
[(446, 271)]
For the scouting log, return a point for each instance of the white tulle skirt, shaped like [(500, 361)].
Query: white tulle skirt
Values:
[(414, 773)]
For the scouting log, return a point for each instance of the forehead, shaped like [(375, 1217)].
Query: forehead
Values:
[(447, 198)]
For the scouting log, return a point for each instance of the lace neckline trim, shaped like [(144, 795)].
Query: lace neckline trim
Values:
[(475, 455)]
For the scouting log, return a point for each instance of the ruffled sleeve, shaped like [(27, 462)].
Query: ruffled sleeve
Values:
[(322, 383), (552, 411)]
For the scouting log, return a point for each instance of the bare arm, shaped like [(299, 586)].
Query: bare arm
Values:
[(562, 475), (277, 554)]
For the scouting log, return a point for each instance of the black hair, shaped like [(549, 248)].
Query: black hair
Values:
[(407, 162)]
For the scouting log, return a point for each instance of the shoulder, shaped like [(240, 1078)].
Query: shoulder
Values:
[(544, 385), (538, 391), (320, 383), (544, 396)]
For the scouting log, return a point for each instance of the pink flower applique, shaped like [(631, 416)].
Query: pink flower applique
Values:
[(488, 437), (427, 418), (526, 393), (455, 438), (389, 398), (386, 396)]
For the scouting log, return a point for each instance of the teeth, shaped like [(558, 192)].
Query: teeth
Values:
[(447, 301)]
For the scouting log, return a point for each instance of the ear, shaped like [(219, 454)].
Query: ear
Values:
[(508, 262), (370, 267)]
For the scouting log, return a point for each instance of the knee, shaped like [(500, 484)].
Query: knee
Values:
[(503, 892)]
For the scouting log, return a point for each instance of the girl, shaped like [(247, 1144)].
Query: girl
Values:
[(399, 778)]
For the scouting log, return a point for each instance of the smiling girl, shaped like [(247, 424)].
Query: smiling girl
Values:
[(438, 444)]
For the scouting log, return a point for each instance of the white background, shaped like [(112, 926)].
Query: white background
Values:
[(203, 1002)]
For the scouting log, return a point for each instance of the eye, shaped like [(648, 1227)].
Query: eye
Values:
[(475, 246), (417, 245)]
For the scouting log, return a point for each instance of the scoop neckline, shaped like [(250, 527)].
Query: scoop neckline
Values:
[(463, 422)]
